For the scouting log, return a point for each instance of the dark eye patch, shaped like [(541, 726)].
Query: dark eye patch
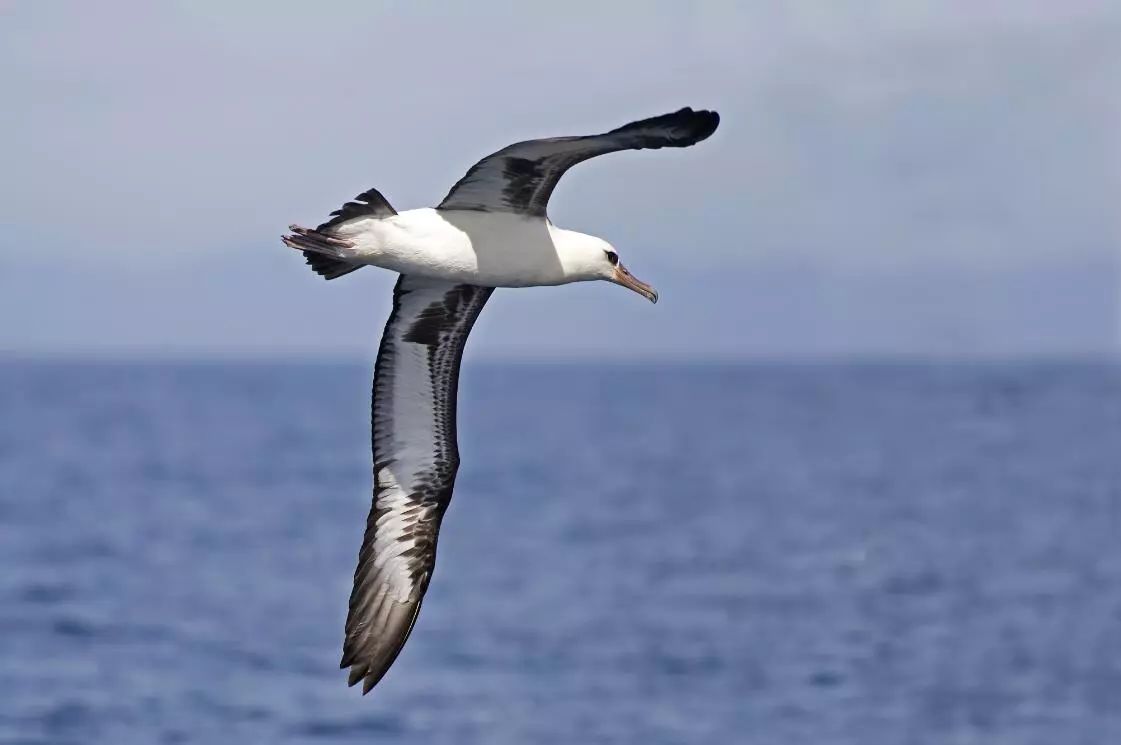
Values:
[(612, 257)]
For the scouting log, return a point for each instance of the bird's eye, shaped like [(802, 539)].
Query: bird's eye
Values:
[(612, 257)]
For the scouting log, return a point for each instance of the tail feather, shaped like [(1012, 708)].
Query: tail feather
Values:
[(369, 203), (315, 241), (329, 268), (321, 250), (324, 250)]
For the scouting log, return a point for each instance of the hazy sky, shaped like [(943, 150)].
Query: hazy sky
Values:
[(888, 178)]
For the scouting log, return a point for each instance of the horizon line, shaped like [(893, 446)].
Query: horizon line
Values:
[(149, 356)]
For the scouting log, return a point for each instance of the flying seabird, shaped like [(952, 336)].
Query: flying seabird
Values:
[(490, 231)]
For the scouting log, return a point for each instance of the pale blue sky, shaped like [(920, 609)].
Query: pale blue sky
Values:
[(889, 178)]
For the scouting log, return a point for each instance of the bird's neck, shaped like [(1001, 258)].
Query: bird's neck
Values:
[(578, 253)]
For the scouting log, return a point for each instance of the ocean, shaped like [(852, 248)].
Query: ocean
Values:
[(874, 554)]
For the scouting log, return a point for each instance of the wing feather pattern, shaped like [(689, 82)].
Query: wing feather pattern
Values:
[(416, 457), (521, 177)]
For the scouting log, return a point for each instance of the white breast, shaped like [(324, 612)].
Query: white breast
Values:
[(493, 249)]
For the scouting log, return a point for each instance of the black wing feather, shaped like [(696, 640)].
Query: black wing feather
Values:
[(521, 177)]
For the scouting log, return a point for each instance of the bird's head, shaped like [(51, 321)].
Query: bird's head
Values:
[(586, 257)]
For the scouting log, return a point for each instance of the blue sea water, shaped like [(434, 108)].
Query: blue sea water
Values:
[(866, 554)]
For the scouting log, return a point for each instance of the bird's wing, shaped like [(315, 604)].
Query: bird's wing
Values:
[(415, 461), (521, 177)]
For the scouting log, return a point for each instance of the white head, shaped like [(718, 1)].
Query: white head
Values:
[(585, 257)]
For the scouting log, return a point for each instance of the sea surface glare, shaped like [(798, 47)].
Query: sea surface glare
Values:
[(865, 554)]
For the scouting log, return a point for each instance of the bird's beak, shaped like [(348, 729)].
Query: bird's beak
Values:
[(631, 282)]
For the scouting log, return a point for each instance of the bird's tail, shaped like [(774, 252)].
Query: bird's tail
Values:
[(322, 251), (325, 251)]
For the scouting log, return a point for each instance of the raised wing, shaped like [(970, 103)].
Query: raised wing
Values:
[(521, 177), (415, 462)]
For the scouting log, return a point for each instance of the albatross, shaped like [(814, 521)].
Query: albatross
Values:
[(491, 230)]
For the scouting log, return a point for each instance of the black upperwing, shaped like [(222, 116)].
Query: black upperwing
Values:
[(521, 177)]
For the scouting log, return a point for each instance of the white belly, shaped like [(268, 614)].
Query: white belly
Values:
[(483, 248)]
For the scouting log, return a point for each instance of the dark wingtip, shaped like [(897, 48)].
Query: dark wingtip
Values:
[(703, 123), (714, 122), (680, 128), (364, 674)]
